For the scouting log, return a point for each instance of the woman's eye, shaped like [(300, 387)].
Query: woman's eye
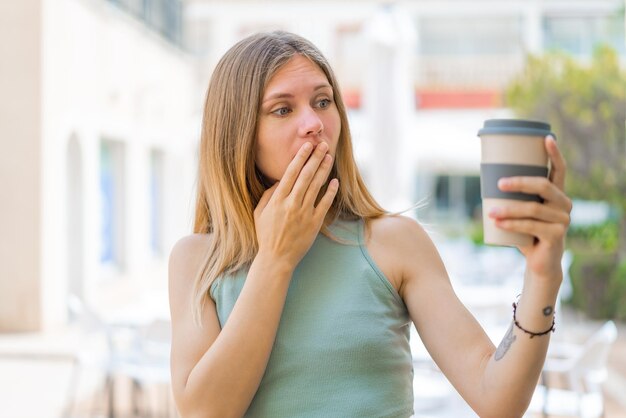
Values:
[(281, 112), (324, 103)]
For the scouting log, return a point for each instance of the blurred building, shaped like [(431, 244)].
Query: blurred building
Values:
[(466, 53), (99, 122), (102, 110)]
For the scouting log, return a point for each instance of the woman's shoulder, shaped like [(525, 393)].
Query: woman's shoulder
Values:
[(395, 242), (187, 256), (410, 247), (396, 230), (190, 247)]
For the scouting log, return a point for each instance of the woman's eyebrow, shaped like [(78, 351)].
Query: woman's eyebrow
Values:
[(280, 95)]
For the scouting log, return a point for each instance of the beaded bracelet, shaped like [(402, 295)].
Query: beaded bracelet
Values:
[(532, 334)]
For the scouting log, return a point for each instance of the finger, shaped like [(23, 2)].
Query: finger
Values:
[(558, 164), (290, 176), (308, 172), (318, 180), (530, 210), (327, 200), (535, 185), (265, 198), (545, 231)]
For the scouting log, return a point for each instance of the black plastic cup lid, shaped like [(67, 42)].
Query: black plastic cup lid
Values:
[(515, 127)]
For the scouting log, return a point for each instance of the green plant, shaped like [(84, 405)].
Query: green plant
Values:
[(602, 237), (618, 291), (476, 233), (591, 276), (585, 102)]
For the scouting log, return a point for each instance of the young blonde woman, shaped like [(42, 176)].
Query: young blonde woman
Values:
[(294, 296)]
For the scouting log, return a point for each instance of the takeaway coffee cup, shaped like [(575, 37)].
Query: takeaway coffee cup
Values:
[(509, 147)]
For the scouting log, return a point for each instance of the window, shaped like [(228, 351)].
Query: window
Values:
[(156, 202), (112, 203), (580, 35), (458, 194), (475, 36), (163, 16), (468, 53)]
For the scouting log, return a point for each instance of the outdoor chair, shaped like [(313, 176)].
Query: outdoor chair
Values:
[(583, 368), (94, 351), (149, 369), (139, 353)]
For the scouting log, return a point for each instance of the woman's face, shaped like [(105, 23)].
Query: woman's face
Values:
[(297, 107)]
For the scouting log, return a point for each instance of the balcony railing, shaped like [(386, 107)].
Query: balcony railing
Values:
[(162, 16), (451, 71)]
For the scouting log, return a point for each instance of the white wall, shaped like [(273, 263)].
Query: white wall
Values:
[(20, 168), (83, 69)]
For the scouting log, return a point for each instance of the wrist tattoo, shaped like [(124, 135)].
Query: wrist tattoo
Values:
[(504, 346), (547, 311)]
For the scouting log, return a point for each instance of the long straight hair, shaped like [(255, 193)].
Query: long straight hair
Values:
[(229, 184)]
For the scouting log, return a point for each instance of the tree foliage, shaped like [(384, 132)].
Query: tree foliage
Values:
[(585, 102)]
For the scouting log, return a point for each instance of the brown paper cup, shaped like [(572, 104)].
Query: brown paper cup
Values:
[(509, 147)]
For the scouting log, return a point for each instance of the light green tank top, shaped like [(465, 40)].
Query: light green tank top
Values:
[(342, 346)]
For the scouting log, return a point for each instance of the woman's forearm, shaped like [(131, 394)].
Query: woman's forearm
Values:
[(512, 372), (227, 376)]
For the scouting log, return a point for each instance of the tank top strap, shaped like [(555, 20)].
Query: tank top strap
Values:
[(350, 232)]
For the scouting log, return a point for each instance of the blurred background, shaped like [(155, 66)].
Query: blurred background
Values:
[(100, 119)]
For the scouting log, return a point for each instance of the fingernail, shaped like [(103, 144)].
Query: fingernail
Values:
[(308, 146), (551, 138), (503, 183), (323, 146), (495, 212)]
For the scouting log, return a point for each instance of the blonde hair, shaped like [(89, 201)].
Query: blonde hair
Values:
[(229, 184)]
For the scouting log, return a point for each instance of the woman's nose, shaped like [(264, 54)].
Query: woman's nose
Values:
[(311, 124)]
